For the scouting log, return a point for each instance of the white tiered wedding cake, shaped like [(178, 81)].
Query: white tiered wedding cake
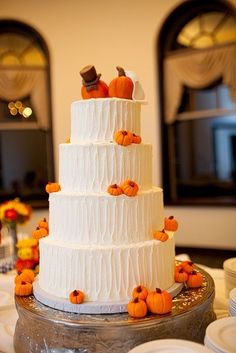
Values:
[(99, 243)]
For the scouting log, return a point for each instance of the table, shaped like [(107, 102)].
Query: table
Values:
[(8, 314)]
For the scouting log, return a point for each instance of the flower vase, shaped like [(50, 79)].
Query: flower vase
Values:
[(13, 234)]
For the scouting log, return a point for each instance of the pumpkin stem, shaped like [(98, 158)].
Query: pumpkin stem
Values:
[(139, 289), (121, 71), (114, 186), (37, 228), (171, 217), (163, 230), (158, 290), (44, 219), (23, 282), (181, 270), (193, 272), (124, 133), (136, 300), (75, 293)]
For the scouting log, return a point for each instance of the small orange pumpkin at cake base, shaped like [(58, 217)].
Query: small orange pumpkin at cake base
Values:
[(170, 224), (76, 297), (26, 275), (114, 190), (187, 266), (181, 276), (195, 279), (39, 233), (159, 302), (161, 235), (137, 308), (52, 187), (130, 188), (140, 292), (136, 139), (123, 137), (23, 288)]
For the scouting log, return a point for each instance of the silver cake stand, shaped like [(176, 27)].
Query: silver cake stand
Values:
[(41, 329)]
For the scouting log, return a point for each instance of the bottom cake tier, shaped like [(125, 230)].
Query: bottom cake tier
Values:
[(105, 273)]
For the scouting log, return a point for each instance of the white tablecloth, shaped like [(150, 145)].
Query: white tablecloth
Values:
[(8, 313)]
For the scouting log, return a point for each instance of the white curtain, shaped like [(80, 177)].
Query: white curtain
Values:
[(19, 83), (197, 69)]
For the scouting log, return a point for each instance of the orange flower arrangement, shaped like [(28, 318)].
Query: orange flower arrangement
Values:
[(14, 211)]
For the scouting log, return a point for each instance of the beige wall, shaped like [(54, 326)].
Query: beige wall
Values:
[(107, 33)]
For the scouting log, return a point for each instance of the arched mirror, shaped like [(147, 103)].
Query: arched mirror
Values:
[(26, 150), (197, 51)]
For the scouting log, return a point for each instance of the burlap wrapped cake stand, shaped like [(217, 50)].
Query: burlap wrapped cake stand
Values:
[(41, 329)]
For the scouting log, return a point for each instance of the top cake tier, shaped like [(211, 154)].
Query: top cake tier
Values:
[(96, 120)]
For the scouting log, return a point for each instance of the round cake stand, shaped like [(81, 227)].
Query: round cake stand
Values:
[(41, 329)]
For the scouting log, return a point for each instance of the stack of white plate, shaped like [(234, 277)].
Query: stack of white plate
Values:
[(221, 335), (232, 302), (170, 346), (230, 274)]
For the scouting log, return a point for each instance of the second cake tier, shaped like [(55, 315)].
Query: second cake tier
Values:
[(93, 167), (105, 219)]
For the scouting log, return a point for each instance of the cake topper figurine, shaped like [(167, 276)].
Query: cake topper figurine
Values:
[(92, 86), (121, 86)]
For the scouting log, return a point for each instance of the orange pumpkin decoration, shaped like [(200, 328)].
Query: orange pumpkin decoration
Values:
[(115, 190), (161, 235), (195, 279), (137, 308), (123, 138), (187, 266), (101, 91), (76, 297), (181, 276), (23, 288), (121, 86), (171, 224), (52, 187), (136, 139), (43, 223), (140, 292), (159, 302), (39, 233), (26, 275), (130, 188), (92, 86)]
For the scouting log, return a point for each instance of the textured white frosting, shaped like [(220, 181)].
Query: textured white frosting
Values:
[(96, 120), (104, 219), (93, 167), (105, 273), (98, 243)]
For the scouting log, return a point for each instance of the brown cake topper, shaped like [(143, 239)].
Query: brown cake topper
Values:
[(92, 86), (90, 77)]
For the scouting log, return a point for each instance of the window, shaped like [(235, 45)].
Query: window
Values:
[(26, 153), (197, 48)]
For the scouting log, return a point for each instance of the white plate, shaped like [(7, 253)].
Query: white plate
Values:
[(232, 295), (170, 346), (222, 334), (230, 265), (211, 346)]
